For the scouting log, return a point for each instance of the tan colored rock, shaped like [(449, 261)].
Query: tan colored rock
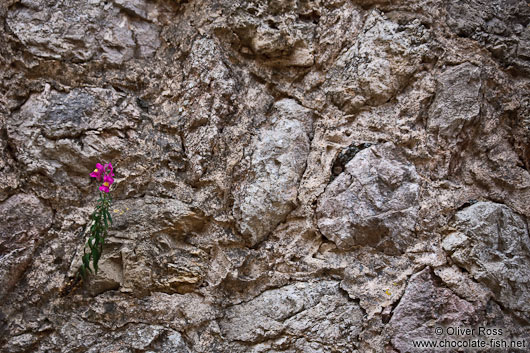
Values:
[(378, 65), (288, 316), (457, 101), (291, 176), (25, 219), (95, 31)]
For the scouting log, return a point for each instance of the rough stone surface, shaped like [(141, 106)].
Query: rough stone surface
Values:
[(278, 162), (426, 305), (456, 102), (25, 219), (501, 27), (291, 317), (291, 176), (379, 64), (492, 243), (57, 30), (374, 202)]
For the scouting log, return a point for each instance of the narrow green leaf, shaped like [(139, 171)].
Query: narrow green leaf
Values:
[(105, 220), (90, 242), (86, 262), (83, 271), (96, 254), (109, 217)]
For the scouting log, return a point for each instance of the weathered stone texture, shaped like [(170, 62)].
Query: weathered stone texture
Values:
[(374, 202), (457, 101), (291, 176), (86, 31), (501, 26), (424, 306), (291, 317), (25, 220), (379, 64), (492, 243), (277, 165)]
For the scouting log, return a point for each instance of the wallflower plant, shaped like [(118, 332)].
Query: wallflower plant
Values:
[(99, 225), (100, 220)]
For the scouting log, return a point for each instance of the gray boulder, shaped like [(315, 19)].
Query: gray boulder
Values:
[(374, 202), (491, 242), (277, 164)]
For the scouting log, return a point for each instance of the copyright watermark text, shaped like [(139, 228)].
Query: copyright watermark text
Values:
[(469, 338)]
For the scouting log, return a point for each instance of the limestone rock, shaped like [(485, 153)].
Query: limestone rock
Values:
[(499, 26), (24, 220), (286, 316), (93, 31), (425, 306), (138, 337), (274, 41), (462, 285), (54, 130), (375, 68), (457, 101), (492, 243), (291, 176), (152, 254), (376, 281), (374, 202), (278, 162)]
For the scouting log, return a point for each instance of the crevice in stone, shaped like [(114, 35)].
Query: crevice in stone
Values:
[(346, 155), (441, 283), (466, 204)]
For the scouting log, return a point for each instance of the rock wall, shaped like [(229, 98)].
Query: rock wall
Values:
[(291, 175)]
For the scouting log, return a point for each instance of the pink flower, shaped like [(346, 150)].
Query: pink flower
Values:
[(107, 182), (110, 169), (108, 179), (98, 171)]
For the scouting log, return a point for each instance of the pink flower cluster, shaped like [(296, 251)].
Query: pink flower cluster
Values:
[(107, 172)]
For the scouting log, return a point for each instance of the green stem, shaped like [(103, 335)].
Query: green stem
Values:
[(98, 231)]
